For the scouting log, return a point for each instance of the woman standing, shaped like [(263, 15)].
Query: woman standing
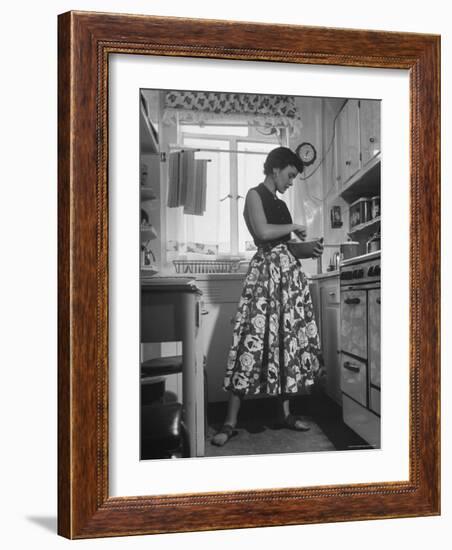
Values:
[(275, 348)]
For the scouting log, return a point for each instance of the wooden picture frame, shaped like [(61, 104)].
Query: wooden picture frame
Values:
[(86, 40)]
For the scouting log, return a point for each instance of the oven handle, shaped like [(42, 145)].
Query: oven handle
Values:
[(350, 366), (352, 300)]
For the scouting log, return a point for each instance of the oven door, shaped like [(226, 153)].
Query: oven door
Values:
[(354, 322), (354, 379)]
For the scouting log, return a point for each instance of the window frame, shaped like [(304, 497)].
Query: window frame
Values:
[(233, 170)]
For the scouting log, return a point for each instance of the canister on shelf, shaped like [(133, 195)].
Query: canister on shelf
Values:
[(359, 212), (375, 207)]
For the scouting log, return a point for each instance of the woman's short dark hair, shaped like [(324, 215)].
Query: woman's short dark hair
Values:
[(281, 157)]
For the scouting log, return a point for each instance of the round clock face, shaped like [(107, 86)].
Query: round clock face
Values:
[(307, 153)]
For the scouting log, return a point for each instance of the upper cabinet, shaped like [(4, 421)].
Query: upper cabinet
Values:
[(149, 141), (357, 149), (357, 139), (369, 125), (347, 142)]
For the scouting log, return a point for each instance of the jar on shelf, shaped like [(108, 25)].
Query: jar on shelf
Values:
[(375, 207), (359, 212)]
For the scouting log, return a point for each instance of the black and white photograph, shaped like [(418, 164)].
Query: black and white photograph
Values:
[(260, 268), (193, 345)]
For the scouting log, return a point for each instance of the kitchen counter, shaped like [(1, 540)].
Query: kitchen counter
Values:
[(198, 276), (362, 258), (326, 275)]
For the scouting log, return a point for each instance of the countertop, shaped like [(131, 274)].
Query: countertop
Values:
[(326, 275)]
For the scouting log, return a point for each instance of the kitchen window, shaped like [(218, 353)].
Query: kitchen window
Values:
[(235, 155)]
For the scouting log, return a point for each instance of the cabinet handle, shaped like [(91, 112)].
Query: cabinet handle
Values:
[(378, 301), (332, 293), (348, 162), (372, 140), (352, 301), (351, 366), (205, 312)]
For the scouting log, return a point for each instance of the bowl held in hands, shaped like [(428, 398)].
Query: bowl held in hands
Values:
[(305, 249)]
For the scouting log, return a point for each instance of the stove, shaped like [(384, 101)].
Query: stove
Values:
[(360, 345), (361, 270)]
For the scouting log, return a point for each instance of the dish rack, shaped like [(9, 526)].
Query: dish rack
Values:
[(206, 266)]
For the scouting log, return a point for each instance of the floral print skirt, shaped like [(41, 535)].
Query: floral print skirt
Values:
[(275, 344)]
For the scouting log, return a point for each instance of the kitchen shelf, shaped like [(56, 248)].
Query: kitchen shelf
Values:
[(147, 233), (365, 226), (365, 183), (148, 135), (147, 194)]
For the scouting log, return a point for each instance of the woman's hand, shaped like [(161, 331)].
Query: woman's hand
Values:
[(300, 231)]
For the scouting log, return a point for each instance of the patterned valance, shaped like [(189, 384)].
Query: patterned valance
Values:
[(254, 109)]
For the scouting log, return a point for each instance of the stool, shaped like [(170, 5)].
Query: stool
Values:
[(162, 366), (163, 432)]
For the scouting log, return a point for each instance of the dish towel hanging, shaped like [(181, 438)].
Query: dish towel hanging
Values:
[(187, 183), (195, 200)]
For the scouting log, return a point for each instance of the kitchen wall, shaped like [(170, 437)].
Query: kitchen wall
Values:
[(313, 197), (331, 107)]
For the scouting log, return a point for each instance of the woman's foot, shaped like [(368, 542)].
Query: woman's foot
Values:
[(295, 423), (223, 435)]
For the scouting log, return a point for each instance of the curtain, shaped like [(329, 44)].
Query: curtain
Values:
[(266, 111)]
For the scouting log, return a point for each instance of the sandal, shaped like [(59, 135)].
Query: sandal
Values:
[(223, 435), (290, 421)]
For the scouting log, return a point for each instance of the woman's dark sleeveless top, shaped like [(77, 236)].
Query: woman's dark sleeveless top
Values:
[(276, 212)]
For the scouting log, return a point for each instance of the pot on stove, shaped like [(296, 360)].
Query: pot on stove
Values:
[(374, 243), (349, 249)]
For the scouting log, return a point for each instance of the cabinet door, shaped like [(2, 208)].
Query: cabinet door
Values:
[(347, 144), (369, 116), (217, 336), (330, 329)]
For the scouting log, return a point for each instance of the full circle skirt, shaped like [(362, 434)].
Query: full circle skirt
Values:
[(275, 343)]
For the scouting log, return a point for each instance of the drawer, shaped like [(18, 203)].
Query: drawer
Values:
[(220, 290), (354, 378), (330, 293)]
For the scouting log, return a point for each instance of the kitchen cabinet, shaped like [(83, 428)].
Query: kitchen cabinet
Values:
[(347, 142), (357, 143), (221, 295), (374, 324), (369, 124), (326, 300), (330, 329)]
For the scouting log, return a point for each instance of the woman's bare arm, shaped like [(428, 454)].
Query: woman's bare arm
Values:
[(263, 230)]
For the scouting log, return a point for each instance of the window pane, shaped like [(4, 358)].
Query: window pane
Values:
[(212, 228), (250, 174)]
